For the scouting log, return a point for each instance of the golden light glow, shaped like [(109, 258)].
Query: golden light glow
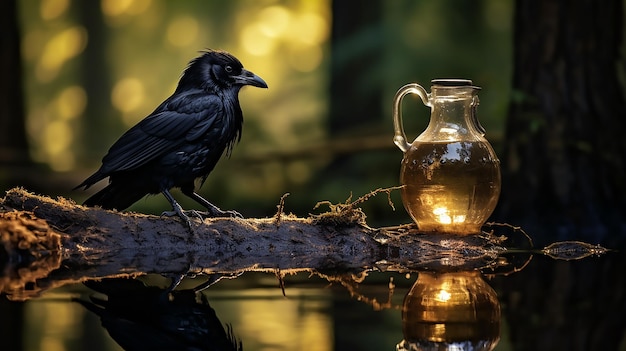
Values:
[(127, 95), (62, 47), (51, 9), (316, 328), (183, 31), (442, 215), (443, 296), (255, 41), (302, 32), (57, 137), (115, 7), (284, 322), (448, 130), (308, 28), (51, 127), (139, 7), (305, 58), (62, 162), (121, 7), (274, 21), (71, 102), (450, 307), (54, 325)]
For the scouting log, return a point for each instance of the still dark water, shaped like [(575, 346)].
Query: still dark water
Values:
[(548, 305)]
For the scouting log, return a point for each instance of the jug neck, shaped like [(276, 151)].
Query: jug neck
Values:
[(453, 114)]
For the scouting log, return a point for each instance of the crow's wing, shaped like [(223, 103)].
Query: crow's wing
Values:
[(182, 118)]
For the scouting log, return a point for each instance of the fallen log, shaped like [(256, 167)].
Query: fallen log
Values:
[(50, 242)]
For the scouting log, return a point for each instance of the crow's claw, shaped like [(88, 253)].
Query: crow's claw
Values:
[(212, 210), (186, 220), (216, 212)]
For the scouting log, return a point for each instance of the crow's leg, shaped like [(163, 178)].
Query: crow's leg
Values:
[(213, 211), (177, 210)]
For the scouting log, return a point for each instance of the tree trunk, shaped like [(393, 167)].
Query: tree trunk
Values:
[(357, 50), (564, 170), (96, 78), (565, 153), (13, 143), (14, 153)]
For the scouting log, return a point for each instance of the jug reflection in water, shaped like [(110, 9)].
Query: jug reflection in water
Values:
[(450, 311), (450, 173)]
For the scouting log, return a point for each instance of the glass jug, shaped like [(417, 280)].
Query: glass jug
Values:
[(450, 173)]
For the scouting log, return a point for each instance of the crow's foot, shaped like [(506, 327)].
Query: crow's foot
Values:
[(178, 210), (185, 215), (212, 210), (181, 214), (215, 212)]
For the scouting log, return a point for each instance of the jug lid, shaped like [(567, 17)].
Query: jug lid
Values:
[(453, 82)]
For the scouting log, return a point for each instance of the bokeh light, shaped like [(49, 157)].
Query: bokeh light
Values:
[(127, 95), (309, 28), (124, 7), (57, 137), (274, 21), (71, 102), (183, 31), (51, 9), (63, 46), (255, 41)]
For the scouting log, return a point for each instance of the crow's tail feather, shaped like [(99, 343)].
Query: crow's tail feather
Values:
[(116, 196)]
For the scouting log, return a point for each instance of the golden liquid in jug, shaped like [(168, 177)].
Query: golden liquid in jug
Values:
[(450, 187)]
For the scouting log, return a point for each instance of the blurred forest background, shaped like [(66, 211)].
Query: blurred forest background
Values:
[(322, 131), (77, 74)]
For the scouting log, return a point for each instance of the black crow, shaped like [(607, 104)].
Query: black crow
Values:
[(180, 141)]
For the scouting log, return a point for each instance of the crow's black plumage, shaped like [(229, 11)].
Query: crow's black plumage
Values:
[(181, 140)]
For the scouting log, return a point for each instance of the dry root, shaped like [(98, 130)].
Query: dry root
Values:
[(348, 213)]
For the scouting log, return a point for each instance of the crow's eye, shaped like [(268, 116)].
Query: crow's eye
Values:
[(228, 69)]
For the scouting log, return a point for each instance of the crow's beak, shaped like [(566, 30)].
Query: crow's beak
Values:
[(248, 78)]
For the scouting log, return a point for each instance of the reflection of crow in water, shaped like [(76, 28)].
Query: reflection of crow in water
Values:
[(180, 141), (140, 317)]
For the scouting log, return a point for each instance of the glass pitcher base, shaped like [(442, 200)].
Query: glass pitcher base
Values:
[(448, 229)]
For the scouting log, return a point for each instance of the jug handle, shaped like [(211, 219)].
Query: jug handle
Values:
[(412, 88), (477, 125)]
